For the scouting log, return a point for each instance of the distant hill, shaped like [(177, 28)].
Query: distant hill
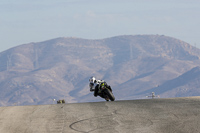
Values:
[(182, 86), (37, 73)]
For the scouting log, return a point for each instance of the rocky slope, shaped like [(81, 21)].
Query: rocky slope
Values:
[(37, 73)]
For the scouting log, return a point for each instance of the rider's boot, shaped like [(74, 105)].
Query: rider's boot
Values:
[(107, 98)]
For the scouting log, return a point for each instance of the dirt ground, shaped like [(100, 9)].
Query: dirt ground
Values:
[(176, 115)]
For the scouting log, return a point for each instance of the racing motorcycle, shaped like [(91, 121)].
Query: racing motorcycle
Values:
[(105, 92)]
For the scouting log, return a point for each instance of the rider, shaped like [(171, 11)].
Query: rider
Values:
[(95, 86)]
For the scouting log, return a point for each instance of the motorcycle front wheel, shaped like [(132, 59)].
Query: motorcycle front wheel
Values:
[(110, 95)]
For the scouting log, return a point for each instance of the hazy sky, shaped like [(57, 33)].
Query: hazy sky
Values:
[(25, 21)]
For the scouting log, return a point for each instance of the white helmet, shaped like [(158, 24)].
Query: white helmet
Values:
[(92, 80)]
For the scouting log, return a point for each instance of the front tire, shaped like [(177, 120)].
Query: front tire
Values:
[(110, 95)]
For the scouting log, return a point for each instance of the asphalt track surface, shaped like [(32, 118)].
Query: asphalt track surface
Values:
[(178, 115)]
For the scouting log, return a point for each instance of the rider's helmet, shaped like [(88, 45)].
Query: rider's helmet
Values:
[(92, 79)]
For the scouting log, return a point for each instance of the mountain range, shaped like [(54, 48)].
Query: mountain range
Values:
[(133, 65)]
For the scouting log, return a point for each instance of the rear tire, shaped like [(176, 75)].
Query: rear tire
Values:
[(110, 95)]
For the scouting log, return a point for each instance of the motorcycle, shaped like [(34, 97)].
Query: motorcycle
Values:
[(106, 92)]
